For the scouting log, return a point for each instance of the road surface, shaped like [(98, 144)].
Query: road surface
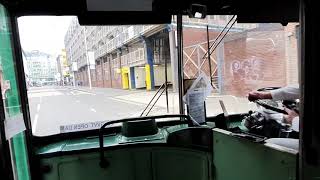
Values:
[(52, 107)]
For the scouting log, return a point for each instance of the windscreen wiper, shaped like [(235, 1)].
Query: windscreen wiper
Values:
[(215, 47), (219, 35)]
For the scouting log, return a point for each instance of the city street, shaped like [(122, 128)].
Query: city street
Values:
[(51, 107), (55, 106)]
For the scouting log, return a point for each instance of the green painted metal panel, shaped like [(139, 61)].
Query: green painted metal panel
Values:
[(12, 102), (112, 140), (86, 167), (125, 164), (236, 158), (173, 164), (145, 163), (140, 163)]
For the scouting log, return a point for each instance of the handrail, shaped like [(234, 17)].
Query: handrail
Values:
[(103, 162), (152, 99)]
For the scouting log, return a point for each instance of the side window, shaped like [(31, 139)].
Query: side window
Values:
[(14, 124)]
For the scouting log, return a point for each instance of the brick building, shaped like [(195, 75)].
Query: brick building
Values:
[(251, 55), (261, 56)]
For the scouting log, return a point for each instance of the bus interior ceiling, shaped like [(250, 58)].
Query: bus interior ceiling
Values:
[(248, 11)]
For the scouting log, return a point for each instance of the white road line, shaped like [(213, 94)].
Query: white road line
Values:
[(35, 122), (40, 99), (72, 92), (127, 102), (84, 92), (38, 107), (93, 110)]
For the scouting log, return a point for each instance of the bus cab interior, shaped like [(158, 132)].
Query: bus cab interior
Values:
[(223, 147)]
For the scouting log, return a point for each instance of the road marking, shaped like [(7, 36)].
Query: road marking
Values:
[(44, 94), (40, 99), (38, 107), (83, 92), (127, 102), (93, 110), (35, 122), (72, 92)]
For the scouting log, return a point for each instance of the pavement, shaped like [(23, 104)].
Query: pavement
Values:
[(55, 106)]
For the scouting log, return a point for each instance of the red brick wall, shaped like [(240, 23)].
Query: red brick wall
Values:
[(265, 58), (99, 81), (193, 55), (291, 53), (84, 74), (255, 61), (116, 77), (106, 74), (101, 75), (93, 77), (192, 36)]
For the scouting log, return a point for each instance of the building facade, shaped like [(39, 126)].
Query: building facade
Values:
[(130, 57), (42, 67), (64, 75)]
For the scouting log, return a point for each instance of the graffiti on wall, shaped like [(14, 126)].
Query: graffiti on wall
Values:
[(248, 70)]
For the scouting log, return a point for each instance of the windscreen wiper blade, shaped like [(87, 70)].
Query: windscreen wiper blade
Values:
[(216, 39), (215, 47)]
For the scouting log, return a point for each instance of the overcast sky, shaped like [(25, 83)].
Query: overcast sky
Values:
[(43, 33)]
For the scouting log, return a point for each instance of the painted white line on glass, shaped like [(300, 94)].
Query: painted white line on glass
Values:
[(35, 122)]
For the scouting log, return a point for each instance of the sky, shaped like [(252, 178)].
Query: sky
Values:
[(43, 33)]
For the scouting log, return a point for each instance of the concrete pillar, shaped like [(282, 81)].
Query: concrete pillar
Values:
[(82, 77), (102, 73), (119, 57), (111, 69), (149, 66), (119, 75), (173, 59)]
